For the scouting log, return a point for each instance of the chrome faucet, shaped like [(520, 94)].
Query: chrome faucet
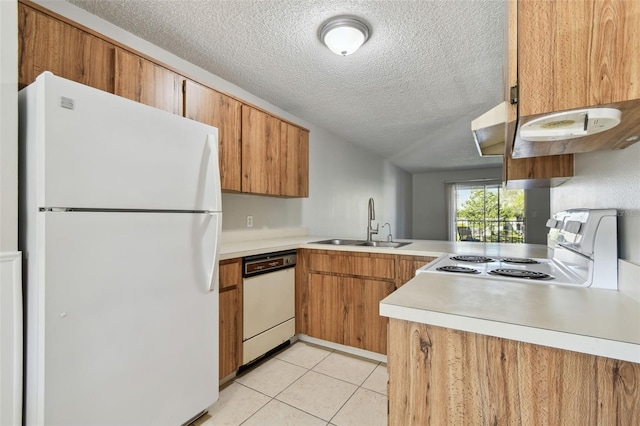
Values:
[(371, 216), (389, 237)]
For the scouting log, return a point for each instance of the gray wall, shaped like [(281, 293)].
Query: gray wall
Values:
[(8, 126), (607, 179), (537, 211), (342, 176), (430, 219), (429, 200)]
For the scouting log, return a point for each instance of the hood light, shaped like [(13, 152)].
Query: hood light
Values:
[(570, 124)]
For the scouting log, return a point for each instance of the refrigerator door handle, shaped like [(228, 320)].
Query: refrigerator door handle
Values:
[(214, 278), (212, 143)]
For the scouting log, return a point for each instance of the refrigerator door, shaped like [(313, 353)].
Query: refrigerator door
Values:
[(92, 149), (123, 327)]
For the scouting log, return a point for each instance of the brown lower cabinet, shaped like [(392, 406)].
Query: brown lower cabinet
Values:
[(407, 266), (230, 316), (440, 376), (338, 294)]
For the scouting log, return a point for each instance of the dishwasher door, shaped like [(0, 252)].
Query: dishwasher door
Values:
[(268, 312)]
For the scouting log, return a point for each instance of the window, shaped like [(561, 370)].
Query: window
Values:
[(486, 212)]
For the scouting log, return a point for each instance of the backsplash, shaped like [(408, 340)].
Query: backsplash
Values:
[(607, 179)]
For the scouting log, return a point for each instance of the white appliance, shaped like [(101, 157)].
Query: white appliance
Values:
[(585, 254), (119, 225), (268, 306)]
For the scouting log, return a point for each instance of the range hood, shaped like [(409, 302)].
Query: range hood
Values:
[(489, 131)]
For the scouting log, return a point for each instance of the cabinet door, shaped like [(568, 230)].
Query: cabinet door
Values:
[(146, 82), (407, 266), (260, 152), (208, 106), (294, 161), (345, 310), (525, 173), (230, 316), (576, 54), (49, 44)]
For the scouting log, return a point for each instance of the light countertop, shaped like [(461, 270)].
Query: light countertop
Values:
[(593, 321), (247, 243)]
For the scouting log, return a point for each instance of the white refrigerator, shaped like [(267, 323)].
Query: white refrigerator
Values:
[(120, 218)]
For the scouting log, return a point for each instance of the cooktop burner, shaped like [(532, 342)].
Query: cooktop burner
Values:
[(474, 259), (460, 269), (521, 273), (519, 261)]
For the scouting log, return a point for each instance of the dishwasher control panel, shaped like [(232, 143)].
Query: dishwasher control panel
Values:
[(270, 262)]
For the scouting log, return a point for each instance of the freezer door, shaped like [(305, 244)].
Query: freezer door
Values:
[(122, 324), (90, 149)]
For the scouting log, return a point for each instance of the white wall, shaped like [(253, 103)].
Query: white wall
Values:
[(8, 125), (607, 179), (342, 176)]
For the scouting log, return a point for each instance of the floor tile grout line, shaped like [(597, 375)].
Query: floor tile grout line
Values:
[(345, 403), (261, 407), (329, 352), (300, 409), (337, 378), (298, 365)]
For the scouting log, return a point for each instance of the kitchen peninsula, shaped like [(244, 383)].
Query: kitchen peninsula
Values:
[(497, 352), (477, 351)]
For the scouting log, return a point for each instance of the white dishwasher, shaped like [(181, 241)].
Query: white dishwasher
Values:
[(268, 318)]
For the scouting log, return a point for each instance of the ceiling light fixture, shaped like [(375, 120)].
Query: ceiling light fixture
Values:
[(343, 35)]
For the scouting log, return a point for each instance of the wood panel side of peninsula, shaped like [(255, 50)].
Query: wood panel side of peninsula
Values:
[(441, 376)]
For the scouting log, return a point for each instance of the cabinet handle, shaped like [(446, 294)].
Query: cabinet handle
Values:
[(513, 95)]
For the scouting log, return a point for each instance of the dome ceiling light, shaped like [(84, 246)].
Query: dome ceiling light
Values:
[(343, 36)]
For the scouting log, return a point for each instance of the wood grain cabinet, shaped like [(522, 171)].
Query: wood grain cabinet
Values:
[(230, 316), (338, 295), (407, 267), (294, 161), (260, 152), (440, 376), (565, 56), (46, 43), (208, 106), (143, 81), (524, 173)]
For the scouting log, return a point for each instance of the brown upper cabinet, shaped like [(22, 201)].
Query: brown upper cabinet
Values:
[(294, 161), (49, 44), (144, 81), (216, 109), (524, 173), (260, 152), (568, 55)]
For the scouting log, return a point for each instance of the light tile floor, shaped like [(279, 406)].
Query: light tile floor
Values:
[(305, 385)]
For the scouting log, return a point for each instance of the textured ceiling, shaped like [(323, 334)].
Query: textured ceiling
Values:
[(409, 94)]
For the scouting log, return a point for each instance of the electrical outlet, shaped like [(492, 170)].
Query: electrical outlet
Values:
[(249, 221)]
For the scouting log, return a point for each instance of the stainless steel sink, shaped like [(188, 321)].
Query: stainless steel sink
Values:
[(342, 242), (385, 244)]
